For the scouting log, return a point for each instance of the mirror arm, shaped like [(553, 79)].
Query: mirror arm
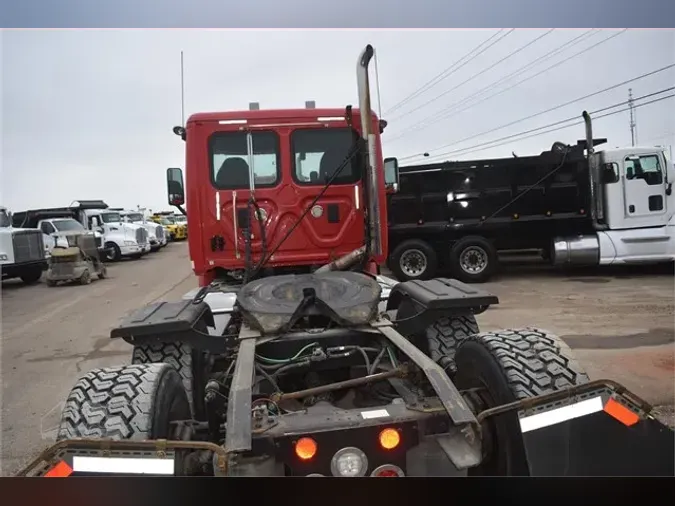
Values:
[(181, 209)]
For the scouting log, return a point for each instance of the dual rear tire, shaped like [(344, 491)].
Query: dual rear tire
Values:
[(472, 259)]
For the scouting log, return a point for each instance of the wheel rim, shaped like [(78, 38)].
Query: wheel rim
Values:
[(110, 253), (473, 260), (413, 263)]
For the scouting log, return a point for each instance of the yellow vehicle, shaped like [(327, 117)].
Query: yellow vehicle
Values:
[(177, 231)]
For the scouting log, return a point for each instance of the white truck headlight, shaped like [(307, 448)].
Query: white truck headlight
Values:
[(3, 257), (130, 243)]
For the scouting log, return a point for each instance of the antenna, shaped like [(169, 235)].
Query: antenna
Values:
[(633, 126), (182, 92)]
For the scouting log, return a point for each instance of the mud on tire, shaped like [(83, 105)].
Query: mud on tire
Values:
[(177, 355), (130, 402)]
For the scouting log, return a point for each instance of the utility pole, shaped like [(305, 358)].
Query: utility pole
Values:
[(633, 125)]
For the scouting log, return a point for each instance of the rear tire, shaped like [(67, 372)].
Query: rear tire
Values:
[(511, 365), (177, 355), (440, 339), (473, 259), (414, 259), (131, 402), (445, 336)]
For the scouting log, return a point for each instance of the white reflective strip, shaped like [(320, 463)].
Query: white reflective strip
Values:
[(122, 465), (356, 197), (560, 415), (376, 413), (218, 206)]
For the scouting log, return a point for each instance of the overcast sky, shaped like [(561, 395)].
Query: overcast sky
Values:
[(88, 114)]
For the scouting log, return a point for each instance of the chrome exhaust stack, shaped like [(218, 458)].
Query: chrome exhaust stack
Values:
[(373, 208), (594, 173)]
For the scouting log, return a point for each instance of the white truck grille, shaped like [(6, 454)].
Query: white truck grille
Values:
[(28, 246), (141, 236)]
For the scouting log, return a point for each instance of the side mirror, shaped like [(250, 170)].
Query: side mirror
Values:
[(609, 173), (94, 222), (174, 181), (391, 173)]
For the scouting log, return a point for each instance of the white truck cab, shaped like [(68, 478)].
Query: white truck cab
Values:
[(120, 239), (638, 205), (22, 251), (157, 237), (56, 230), (633, 214)]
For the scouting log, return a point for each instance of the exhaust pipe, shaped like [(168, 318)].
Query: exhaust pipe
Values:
[(363, 83), (345, 261), (592, 167)]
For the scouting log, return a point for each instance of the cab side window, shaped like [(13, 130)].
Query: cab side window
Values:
[(47, 228), (646, 167)]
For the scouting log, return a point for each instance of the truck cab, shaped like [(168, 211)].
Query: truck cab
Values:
[(156, 235), (22, 251), (56, 230), (121, 239), (637, 206), (283, 188)]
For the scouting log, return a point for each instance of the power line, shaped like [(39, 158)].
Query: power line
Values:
[(573, 42), (559, 106), (439, 77), (500, 61), (510, 138), (449, 110)]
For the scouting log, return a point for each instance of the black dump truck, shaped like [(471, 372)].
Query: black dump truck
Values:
[(577, 206)]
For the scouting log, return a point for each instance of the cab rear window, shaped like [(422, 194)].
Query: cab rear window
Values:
[(317, 154), (230, 162)]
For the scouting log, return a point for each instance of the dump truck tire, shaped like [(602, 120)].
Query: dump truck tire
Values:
[(177, 355), (511, 365), (473, 259), (413, 259), (131, 402)]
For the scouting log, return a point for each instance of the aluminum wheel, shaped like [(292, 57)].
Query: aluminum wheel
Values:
[(473, 260), (413, 263)]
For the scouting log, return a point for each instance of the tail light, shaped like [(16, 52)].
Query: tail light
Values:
[(389, 439), (388, 471), (305, 448)]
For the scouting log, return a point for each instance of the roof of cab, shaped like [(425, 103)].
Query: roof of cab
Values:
[(275, 114)]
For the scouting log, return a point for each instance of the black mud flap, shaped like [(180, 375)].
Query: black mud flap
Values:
[(598, 434)]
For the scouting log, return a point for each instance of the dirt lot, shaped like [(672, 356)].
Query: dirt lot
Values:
[(620, 322)]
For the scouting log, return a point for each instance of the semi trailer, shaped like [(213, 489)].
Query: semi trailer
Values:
[(296, 357), (580, 205)]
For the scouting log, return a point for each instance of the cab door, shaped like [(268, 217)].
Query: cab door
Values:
[(644, 184)]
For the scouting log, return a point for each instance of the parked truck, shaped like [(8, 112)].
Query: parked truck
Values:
[(577, 205), (56, 226), (119, 239), (22, 251), (316, 365), (156, 233)]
